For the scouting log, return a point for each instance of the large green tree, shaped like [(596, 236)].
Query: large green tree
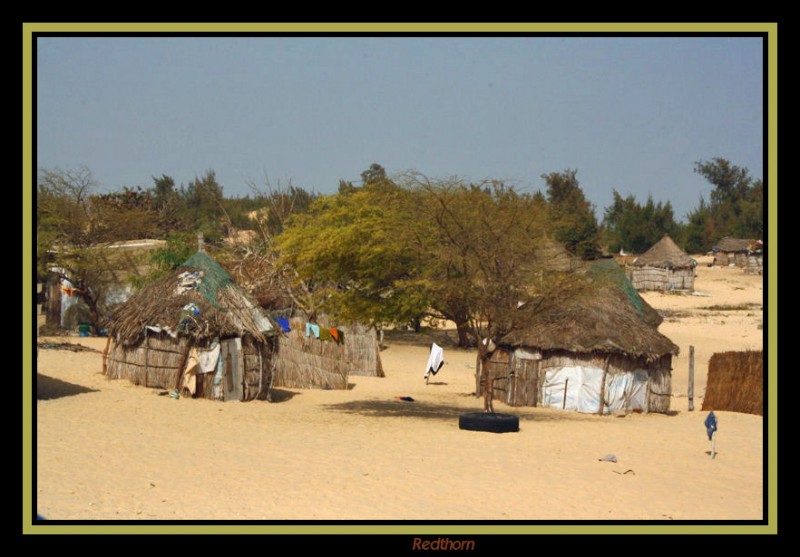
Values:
[(572, 215), (634, 227), (736, 204)]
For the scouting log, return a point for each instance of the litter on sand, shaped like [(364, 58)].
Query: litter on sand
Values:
[(608, 458), (405, 398)]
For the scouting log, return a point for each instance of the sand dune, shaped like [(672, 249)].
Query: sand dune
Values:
[(112, 450)]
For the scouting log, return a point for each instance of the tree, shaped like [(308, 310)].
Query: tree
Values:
[(73, 229), (634, 227), (348, 252), (485, 258), (736, 203), (572, 215)]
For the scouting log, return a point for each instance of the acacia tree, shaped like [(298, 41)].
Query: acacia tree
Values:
[(485, 245), (350, 257)]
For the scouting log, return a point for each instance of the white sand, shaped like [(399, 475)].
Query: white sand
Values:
[(112, 450)]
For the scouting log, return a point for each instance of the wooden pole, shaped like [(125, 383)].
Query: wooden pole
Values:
[(646, 408), (146, 350), (691, 378), (603, 386), (564, 403), (105, 355)]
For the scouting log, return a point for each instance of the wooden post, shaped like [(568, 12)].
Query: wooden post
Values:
[(536, 384), (646, 408), (603, 386), (53, 301), (105, 355), (564, 403), (691, 378), (478, 375), (146, 350)]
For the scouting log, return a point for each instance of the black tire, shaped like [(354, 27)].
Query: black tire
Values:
[(495, 423)]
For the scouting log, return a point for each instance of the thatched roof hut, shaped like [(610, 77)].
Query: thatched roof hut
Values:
[(665, 266), (735, 251), (304, 361), (194, 315), (601, 340)]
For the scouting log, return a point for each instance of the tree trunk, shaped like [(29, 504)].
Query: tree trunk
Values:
[(52, 306), (463, 336)]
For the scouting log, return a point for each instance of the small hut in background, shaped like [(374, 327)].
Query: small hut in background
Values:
[(735, 382), (664, 267), (305, 361), (193, 329), (596, 352), (733, 251)]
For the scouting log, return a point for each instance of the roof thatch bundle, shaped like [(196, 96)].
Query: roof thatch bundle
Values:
[(736, 382), (729, 244), (606, 316), (199, 299), (666, 254)]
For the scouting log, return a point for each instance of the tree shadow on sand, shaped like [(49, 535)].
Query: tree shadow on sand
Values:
[(426, 410), (48, 388)]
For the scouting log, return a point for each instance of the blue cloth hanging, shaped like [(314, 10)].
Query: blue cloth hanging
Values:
[(284, 323), (711, 425)]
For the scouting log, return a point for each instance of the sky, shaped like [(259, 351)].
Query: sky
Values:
[(630, 114)]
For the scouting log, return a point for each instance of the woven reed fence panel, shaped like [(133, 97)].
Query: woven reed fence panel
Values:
[(735, 382)]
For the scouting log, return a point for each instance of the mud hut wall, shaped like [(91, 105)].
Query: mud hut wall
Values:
[(740, 259)]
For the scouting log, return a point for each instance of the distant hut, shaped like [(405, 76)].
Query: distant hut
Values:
[(305, 361), (664, 266), (194, 331), (733, 251), (736, 382), (602, 340)]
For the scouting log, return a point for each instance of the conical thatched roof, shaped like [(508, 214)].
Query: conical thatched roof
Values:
[(734, 244), (665, 253), (222, 308), (607, 316)]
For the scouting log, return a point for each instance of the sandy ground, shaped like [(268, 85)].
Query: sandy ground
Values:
[(111, 450)]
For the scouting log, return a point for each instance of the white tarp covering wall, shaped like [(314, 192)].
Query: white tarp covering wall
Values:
[(623, 390)]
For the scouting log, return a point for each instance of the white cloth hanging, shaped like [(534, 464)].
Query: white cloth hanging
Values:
[(435, 360)]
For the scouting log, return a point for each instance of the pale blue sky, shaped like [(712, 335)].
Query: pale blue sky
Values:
[(631, 114)]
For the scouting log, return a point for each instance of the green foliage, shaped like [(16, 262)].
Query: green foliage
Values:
[(349, 249), (736, 207), (636, 228), (572, 215)]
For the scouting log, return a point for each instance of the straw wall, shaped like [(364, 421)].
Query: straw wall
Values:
[(307, 362), (362, 351), (736, 382)]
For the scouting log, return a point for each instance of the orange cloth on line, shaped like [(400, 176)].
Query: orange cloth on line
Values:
[(334, 333)]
